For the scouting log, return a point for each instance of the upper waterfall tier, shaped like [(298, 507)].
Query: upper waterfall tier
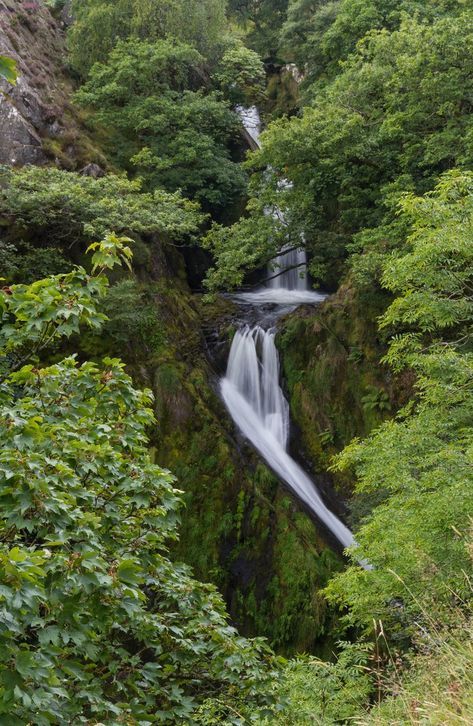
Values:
[(251, 121), (288, 271)]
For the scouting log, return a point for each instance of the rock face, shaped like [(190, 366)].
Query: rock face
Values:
[(35, 109), (93, 170)]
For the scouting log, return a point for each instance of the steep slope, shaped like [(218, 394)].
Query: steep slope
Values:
[(331, 360), (240, 527), (38, 122)]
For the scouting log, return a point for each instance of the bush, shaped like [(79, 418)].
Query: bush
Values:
[(66, 208), (97, 623)]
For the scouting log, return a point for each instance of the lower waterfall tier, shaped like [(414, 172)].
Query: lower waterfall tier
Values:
[(255, 401)]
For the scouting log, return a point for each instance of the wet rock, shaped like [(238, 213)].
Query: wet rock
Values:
[(19, 141), (55, 129), (66, 13)]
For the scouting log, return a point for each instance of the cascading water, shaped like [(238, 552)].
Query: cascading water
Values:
[(251, 388), (251, 121), (254, 398), (287, 274), (253, 371), (292, 265)]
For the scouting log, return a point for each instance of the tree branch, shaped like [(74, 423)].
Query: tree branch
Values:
[(283, 251), (278, 274)]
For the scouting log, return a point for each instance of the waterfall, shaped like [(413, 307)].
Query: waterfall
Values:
[(253, 368), (251, 121), (251, 388), (254, 398), (287, 273), (293, 264)]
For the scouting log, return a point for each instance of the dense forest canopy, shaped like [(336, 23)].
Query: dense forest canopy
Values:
[(100, 621), (371, 169), (152, 99), (395, 116), (262, 21), (99, 24), (318, 34)]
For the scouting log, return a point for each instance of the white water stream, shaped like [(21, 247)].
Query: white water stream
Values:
[(253, 396), (251, 387)]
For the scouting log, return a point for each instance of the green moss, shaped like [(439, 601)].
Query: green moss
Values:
[(240, 528), (331, 361), (282, 94), (76, 147)]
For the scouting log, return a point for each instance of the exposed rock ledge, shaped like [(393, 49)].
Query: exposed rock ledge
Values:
[(36, 119)]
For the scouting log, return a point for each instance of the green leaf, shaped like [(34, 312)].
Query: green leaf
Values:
[(8, 69)]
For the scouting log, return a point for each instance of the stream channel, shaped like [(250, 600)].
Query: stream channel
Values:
[(251, 388)]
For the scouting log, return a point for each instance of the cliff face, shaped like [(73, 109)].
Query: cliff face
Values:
[(240, 528), (34, 108), (337, 388), (37, 121)]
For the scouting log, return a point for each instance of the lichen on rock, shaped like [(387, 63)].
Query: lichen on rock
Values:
[(37, 110)]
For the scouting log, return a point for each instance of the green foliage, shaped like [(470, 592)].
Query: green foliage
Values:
[(243, 246), (25, 263), (135, 326), (8, 69), (421, 461), (68, 207), (56, 6), (262, 21), (98, 624), (102, 626), (326, 437), (376, 400), (36, 316), (99, 24), (241, 76), (331, 362), (432, 281), (164, 122), (8, 260), (302, 35), (320, 693), (39, 314), (319, 35), (396, 116)]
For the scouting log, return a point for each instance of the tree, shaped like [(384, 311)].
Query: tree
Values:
[(319, 35), (97, 623), (249, 243), (262, 20), (100, 24), (164, 121), (240, 75), (303, 32), (420, 463), (396, 117), (66, 208)]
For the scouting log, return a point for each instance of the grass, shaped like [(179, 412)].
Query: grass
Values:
[(370, 684), (436, 690)]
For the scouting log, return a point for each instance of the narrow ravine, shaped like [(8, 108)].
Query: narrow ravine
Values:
[(251, 387)]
